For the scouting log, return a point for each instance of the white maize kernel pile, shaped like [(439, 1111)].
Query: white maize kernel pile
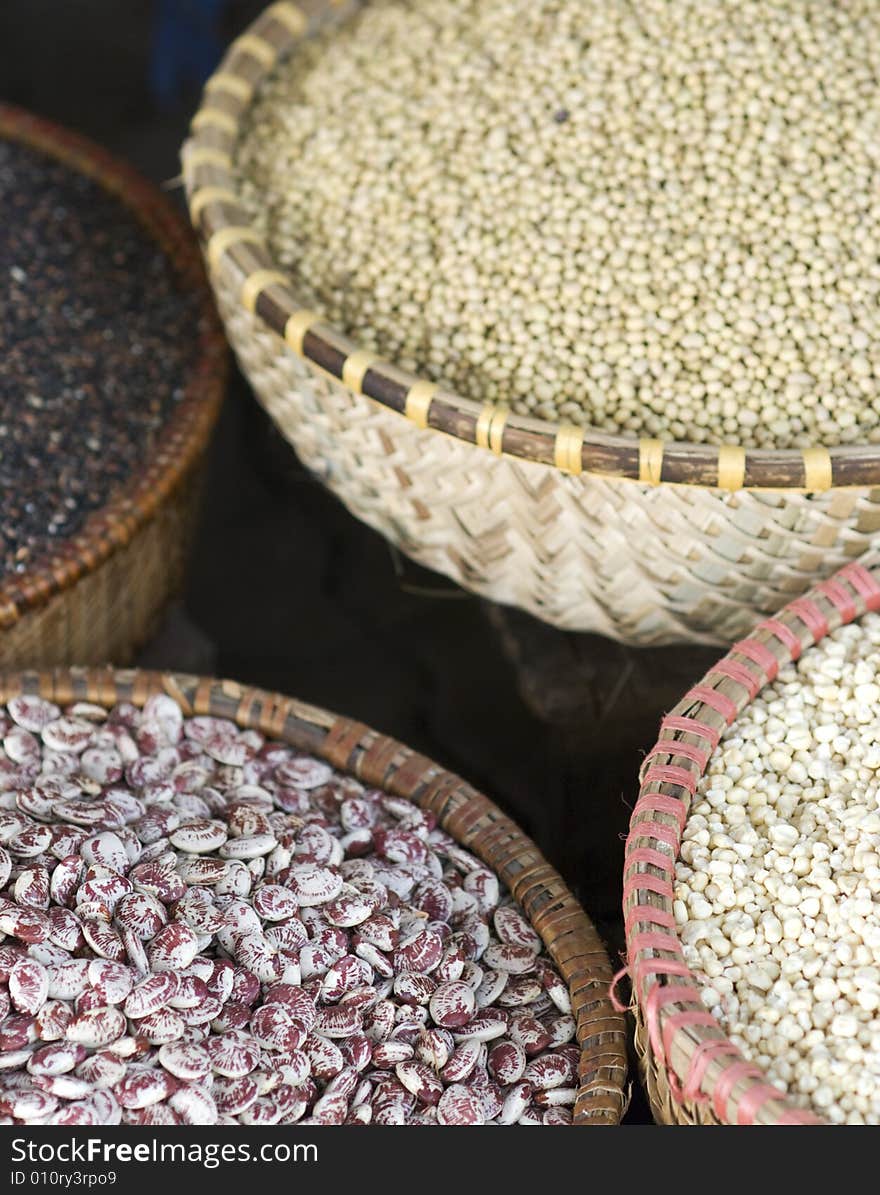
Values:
[(659, 218), (778, 881)]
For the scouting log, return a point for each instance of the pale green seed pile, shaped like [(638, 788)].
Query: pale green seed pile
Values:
[(657, 217), (778, 882)]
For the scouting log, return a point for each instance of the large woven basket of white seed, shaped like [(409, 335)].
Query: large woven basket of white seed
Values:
[(575, 302), (752, 876), (222, 906)]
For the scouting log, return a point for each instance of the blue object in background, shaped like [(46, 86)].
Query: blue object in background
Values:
[(187, 45)]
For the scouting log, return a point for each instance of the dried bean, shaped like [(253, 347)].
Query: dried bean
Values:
[(298, 981)]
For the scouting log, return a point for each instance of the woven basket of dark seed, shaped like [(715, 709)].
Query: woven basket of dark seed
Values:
[(113, 369), (428, 378), (223, 906)]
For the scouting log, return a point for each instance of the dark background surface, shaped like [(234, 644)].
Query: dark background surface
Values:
[(289, 591)]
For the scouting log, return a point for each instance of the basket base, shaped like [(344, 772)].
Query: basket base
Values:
[(112, 611)]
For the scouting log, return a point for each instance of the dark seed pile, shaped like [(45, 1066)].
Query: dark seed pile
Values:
[(96, 341)]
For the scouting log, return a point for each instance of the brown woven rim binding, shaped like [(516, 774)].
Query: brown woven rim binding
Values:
[(693, 1073), (185, 435), (472, 819), (234, 247)]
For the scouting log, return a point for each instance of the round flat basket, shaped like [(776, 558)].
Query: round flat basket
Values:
[(645, 541), (98, 594), (465, 814), (693, 1073)]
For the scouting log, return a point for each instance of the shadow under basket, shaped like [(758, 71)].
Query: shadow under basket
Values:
[(99, 594), (693, 1073), (471, 818), (643, 541)]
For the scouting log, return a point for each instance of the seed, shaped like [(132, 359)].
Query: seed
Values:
[(56, 1059), (28, 986), (162, 1026), (111, 982), (513, 929), (232, 1055), (665, 319), (312, 884), (530, 1034), (150, 995), (252, 847), (235, 1096), (274, 903), (31, 888), (420, 1080), (102, 1069), (103, 940), (464, 1058), (52, 1020), (459, 1106), (143, 1086), (96, 1027), (549, 1071), (516, 960), (421, 953), (173, 948), (199, 836), (32, 713), (507, 1062), (452, 1005), (341, 1021)]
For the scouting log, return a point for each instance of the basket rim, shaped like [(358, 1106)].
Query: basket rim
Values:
[(470, 817), (233, 246), (703, 1068), (184, 436)]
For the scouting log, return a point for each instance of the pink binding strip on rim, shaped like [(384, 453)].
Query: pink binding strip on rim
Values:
[(662, 982), (759, 654), (785, 635), (715, 701), (692, 726)]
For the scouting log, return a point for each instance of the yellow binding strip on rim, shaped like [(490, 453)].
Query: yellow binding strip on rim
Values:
[(254, 285), (216, 118), (355, 367), (206, 155), (817, 469), (650, 461), (418, 402), (232, 84), (731, 467), (568, 448), (496, 429), (490, 427), (296, 327), (224, 238), (287, 14), (206, 195), (264, 52)]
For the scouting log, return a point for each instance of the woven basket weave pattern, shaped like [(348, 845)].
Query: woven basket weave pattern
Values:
[(569, 524), (560, 547), (464, 813)]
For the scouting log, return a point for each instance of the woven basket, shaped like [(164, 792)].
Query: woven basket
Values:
[(647, 542), (99, 594), (467, 815), (693, 1073)]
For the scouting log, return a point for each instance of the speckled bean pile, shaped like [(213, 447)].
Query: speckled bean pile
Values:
[(199, 926), (659, 217), (778, 883)]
